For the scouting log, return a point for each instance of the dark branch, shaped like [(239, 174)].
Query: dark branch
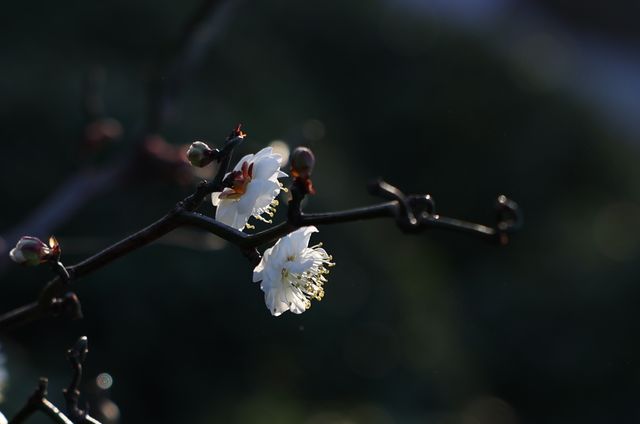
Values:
[(76, 356), (414, 213), (39, 402)]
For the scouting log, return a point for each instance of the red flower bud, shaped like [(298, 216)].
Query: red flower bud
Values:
[(302, 162)]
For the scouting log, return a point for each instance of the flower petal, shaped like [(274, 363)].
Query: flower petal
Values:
[(300, 237), (246, 158), (257, 272), (265, 167), (275, 302), (296, 300), (227, 213), (215, 198), (259, 195), (17, 256), (266, 151)]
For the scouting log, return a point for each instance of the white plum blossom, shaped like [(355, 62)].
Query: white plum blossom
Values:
[(291, 274), (254, 187)]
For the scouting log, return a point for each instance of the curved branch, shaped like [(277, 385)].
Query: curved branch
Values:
[(414, 213)]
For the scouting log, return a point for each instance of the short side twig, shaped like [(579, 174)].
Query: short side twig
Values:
[(39, 402)]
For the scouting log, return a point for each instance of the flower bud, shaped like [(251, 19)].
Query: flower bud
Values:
[(237, 133), (302, 162), (199, 154), (32, 251)]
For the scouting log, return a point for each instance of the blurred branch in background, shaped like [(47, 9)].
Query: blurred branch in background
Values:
[(147, 150), (199, 34), (39, 402)]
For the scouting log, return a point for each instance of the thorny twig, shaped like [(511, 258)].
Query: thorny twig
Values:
[(39, 402), (413, 213)]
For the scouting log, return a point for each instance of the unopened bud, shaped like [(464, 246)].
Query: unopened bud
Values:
[(199, 154), (32, 251), (237, 133), (302, 162)]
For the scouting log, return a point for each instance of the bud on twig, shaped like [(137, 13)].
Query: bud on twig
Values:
[(31, 251), (237, 133), (199, 154), (302, 162)]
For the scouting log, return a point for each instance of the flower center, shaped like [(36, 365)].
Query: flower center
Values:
[(310, 283), (238, 181)]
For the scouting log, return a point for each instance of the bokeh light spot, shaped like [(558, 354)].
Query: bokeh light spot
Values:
[(104, 381), (282, 148), (109, 410)]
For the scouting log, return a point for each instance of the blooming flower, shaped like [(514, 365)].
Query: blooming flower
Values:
[(253, 188), (292, 274)]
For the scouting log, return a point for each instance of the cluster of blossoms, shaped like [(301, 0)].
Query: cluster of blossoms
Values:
[(291, 273)]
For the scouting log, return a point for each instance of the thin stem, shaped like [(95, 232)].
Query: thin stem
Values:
[(54, 413), (443, 222), (76, 356), (389, 209), (23, 315)]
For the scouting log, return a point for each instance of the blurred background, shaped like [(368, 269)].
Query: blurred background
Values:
[(463, 99)]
